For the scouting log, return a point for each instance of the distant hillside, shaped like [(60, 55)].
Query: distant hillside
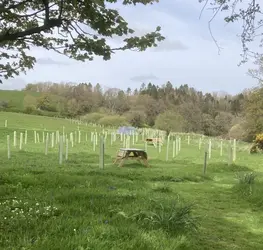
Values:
[(169, 108), (15, 98)]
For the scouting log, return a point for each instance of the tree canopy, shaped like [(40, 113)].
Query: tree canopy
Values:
[(176, 109), (75, 28), (79, 29)]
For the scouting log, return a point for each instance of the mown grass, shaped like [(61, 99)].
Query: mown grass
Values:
[(171, 205)]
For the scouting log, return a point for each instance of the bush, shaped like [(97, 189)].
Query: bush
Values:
[(258, 144), (136, 118), (259, 141), (113, 121), (92, 117), (249, 190), (170, 121), (13, 109), (29, 110), (247, 178), (4, 104), (237, 132), (174, 218), (30, 104)]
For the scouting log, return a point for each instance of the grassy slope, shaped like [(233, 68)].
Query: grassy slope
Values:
[(16, 97), (88, 199)]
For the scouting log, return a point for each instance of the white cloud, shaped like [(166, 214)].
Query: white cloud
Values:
[(170, 45), (187, 56), (143, 78), (50, 61)]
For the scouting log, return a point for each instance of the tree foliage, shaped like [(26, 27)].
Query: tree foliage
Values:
[(75, 28), (136, 118), (254, 112), (237, 132), (248, 13), (30, 103), (170, 121), (113, 121), (166, 107)]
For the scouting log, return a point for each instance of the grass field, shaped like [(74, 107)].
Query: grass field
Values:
[(15, 98), (76, 205)]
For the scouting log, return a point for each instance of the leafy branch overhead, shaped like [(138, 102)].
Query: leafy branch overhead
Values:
[(248, 13), (75, 28)]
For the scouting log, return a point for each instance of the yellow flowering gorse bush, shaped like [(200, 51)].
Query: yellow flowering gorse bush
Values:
[(259, 141)]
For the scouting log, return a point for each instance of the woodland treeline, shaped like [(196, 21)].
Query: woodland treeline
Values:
[(178, 109)]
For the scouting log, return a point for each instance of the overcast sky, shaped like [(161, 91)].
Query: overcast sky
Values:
[(187, 56)]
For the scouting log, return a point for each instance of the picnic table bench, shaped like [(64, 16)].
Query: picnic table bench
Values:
[(131, 153)]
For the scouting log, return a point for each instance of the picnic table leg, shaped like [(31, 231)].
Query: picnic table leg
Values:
[(116, 160), (122, 162), (146, 163)]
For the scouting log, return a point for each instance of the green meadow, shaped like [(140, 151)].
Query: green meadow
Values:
[(15, 98), (78, 206)]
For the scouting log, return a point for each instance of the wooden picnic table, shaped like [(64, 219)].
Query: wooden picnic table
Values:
[(154, 141), (131, 153)]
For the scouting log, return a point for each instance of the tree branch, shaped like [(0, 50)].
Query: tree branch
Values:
[(61, 9), (30, 15), (46, 5), (3, 8), (49, 25)]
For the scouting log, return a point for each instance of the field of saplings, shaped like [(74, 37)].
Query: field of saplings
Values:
[(61, 188)]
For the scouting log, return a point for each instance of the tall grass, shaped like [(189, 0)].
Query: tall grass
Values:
[(249, 189), (174, 218)]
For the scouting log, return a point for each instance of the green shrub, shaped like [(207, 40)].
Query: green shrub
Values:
[(29, 110), (237, 132), (250, 190), (247, 178), (113, 121), (173, 218), (92, 117), (136, 118), (170, 121)]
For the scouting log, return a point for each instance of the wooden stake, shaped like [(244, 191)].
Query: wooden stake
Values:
[(101, 162), (20, 141), (234, 150), (205, 163), (52, 140), (167, 148), (209, 149), (79, 136), (174, 142), (14, 138), (60, 150), (8, 147), (230, 154), (66, 156), (46, 148)]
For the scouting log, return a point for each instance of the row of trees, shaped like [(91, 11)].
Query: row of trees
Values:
[(181, 109)]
